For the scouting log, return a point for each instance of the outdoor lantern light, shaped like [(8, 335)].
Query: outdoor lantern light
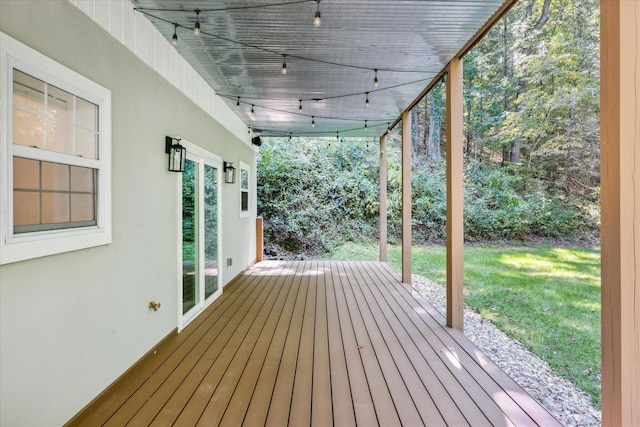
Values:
[(177, 154), (229, 173)]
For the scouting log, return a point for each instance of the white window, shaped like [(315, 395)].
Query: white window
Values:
[(55, 157), (244, 190)]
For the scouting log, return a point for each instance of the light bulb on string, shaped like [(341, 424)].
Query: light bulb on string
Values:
[(196, 27), (253, 113), (290, 135), (300, 106), (316, 18), (174, 40), (238, 103), (365, 124), (337, 136), (375, 77), (284, 65), (366, 102), (313, 121)]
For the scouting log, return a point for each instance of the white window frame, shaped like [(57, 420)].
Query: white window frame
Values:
[(201, 157), (244, 166), (24, 246)]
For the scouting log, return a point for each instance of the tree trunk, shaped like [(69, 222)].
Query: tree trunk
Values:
[(433, 145), (569, 153), (415, 130), (514, 155)]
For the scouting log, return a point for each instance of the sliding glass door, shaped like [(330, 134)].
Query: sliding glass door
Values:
[(200, 283)]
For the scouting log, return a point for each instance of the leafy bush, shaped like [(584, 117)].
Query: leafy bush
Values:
[(314, 195)]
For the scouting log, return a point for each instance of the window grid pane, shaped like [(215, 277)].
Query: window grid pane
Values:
[(53, 119), (64, 197)]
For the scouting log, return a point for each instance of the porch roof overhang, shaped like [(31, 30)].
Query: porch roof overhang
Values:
[(242, 46)]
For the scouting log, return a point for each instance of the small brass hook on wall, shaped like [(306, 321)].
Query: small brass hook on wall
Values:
[(154, 305)]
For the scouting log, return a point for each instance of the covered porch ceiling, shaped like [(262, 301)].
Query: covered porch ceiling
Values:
[(331, 68)]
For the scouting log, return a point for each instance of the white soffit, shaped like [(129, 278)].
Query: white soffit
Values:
[(243, 44)]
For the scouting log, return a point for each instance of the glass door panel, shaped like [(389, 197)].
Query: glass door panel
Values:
[(210, 230), (190, 264)]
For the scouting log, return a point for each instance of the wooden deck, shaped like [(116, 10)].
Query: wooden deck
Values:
[(317, 344)]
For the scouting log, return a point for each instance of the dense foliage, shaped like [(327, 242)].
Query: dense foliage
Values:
[(531, 147)]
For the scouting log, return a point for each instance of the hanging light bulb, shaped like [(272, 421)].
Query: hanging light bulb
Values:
[(238, 103), (365, 124), (249, 130), (290, 134), (284, 64), (337, 136), (253, 113), (300, 106), (366, 102), (313, 121), (316, 19), (196, 27), (375, 77), (174, 40)]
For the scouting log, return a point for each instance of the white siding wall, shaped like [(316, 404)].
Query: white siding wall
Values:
[(136, 32), (71, 324)]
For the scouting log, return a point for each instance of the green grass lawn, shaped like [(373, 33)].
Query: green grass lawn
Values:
[(548, 298)]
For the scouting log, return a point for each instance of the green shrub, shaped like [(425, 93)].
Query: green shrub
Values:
[(314, 196)]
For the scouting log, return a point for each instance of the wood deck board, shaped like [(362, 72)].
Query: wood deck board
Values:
[(280, 406), (110, 402), (195, 343), (430, 392), (168, 400), (449, 382), (365, 412), (412, 401), (318, 344), (239, 403), (220, 367)]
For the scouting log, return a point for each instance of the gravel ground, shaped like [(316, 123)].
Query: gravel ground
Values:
[(568, 404)]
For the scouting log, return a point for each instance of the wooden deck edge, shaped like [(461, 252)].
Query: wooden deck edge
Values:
[(106, 393), (517, 393), (502, 379)]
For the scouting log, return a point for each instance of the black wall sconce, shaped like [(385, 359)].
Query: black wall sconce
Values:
[(229, 173), (177, 154)]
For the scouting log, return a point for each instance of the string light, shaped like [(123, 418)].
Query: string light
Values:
[(290, 135), (253, 113), (174, 40), (375, 77), (196, 27), (300, 106), (147, 12), (337, 136), (316, 19), (365, 124), (284, 65), (366, 102), (238, 103), (313, 121)]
